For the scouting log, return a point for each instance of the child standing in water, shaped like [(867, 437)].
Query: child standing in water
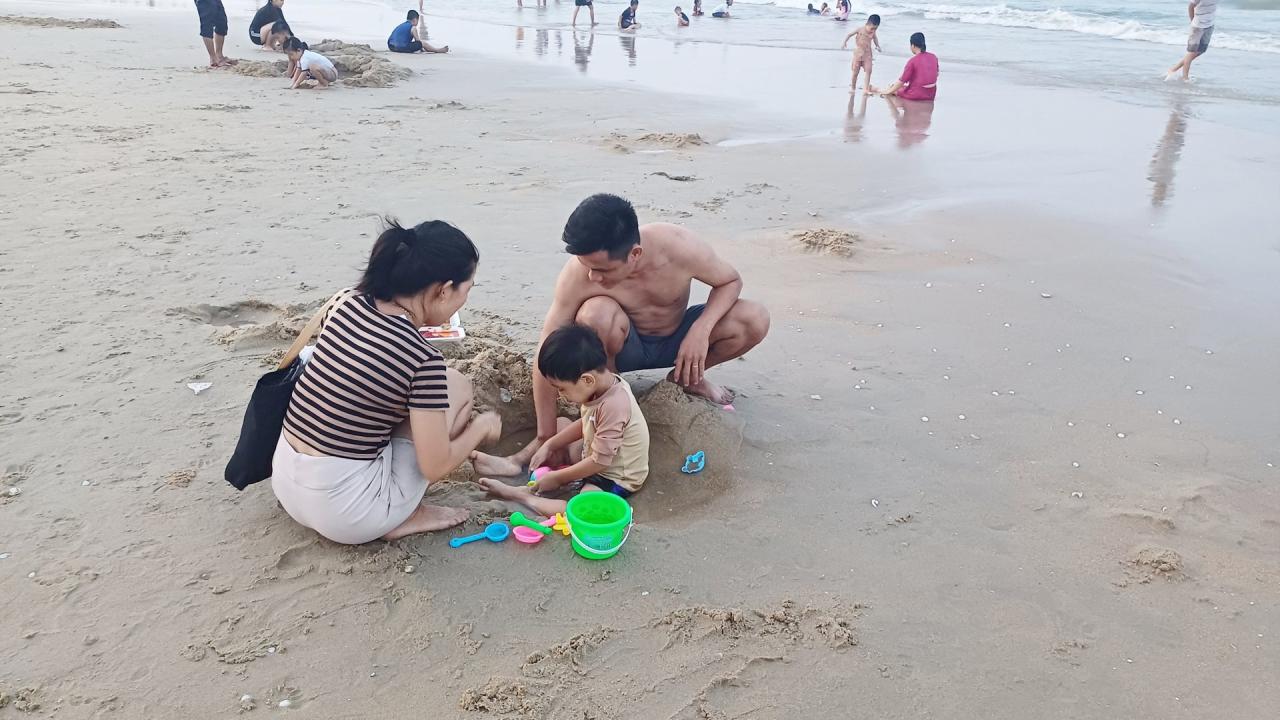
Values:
[(610, 441), (865, 38), (308, 65)]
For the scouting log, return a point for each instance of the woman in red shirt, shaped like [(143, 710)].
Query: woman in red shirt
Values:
[(919, 79)]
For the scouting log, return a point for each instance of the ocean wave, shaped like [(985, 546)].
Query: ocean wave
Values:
[(1063, 21)]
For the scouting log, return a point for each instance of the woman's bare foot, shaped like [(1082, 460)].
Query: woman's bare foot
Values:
[(503, 491), (486, 464), (429, 518)]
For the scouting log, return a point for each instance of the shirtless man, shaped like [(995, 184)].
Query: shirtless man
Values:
[(631, 283)]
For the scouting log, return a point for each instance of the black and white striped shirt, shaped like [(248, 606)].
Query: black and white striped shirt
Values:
[(368, 370)]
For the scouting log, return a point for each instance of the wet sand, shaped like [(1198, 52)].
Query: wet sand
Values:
[(1008, 452)]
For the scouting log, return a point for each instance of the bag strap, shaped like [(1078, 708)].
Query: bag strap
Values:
[(309, 330)]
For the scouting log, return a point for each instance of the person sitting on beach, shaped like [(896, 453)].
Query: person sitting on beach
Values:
[(682, 20), (408, 37), (919, 79), (631, 284), (578, 5), (607, 446), (865, 37), (1202, 14), (308, 65), (697, 8), (627, 21), (213, 31), (268, 28), (376, 416), (723, 10)]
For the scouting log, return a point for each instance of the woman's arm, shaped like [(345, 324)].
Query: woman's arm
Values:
[(437, 454)]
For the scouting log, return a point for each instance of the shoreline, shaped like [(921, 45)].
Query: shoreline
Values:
[(978, 584)]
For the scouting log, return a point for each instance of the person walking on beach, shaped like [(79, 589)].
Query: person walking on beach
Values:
[(865, 37), (631, 284), (578, 5), (627, 21), (1201, 14), (213, 30), (376, 416), (919, 80), (408, 37)]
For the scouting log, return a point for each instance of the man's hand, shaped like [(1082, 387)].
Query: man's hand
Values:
[(691, 361)]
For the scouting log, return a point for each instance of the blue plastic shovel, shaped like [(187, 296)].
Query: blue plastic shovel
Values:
[(494, 532)]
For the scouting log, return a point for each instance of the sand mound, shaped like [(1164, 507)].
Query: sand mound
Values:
[(826, 241), (358, 65), (672, 140), (1146, 563), (48, 22)]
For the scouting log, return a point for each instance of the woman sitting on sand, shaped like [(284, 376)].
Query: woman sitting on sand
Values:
[(268, 28), (376, 416)]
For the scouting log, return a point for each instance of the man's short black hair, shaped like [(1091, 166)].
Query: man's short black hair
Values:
[(917, 40), (570, 352), (874, 20), (602, 222), (413, 15)]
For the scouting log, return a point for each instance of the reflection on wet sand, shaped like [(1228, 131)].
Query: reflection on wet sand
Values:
[(912, 118), (629, 47), (1164, 162), (855, 113), (582, 49)]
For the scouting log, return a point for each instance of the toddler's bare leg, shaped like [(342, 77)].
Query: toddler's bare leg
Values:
[(523, 496)]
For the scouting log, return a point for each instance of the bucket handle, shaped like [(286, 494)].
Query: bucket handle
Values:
[(613, 549)]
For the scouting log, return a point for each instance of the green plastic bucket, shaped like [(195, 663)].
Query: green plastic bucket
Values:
[(599, 523)]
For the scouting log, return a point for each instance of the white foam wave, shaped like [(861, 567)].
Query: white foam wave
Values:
[(1064, 21)]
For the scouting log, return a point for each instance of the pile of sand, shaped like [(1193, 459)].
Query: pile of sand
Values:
[(826, 241), (48, 22), (358, 65), (672, 141), (1148, 562)]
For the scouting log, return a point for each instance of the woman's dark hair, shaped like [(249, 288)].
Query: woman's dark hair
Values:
[(293, 44), (602, 222), (917, 40), (571, 351), (406, 261), (413, 15)]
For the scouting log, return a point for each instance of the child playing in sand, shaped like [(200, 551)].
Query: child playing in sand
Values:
[(308, 65), (682, 20), (268, 29), (866, 36), (610, 440)]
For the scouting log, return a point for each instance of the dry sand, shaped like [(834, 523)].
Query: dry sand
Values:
[(921, 507)]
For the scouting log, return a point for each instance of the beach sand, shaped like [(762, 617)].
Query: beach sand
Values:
[(997, 458)]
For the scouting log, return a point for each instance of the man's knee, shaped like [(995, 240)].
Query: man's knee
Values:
[(607, 318), (755, 321)]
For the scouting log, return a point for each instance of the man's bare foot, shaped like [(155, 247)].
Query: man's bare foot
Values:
[(486, 464), (709, 390), (429, 518), (501, 490), (444, 49)]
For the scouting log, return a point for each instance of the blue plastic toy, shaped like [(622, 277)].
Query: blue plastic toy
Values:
[(694, 463), (493, 532)]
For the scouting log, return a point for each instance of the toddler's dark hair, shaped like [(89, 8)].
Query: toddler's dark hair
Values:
[(295, 44), (874, 20), (570, 352)]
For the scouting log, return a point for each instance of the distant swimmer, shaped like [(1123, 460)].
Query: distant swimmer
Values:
[(682, 20), (813, 10), (697, 8), (578, 5), (842, 10), (723, 10), (1201, 13), (268, 28), (826, 9), (409, 36), (627, 21), (865, 38)]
